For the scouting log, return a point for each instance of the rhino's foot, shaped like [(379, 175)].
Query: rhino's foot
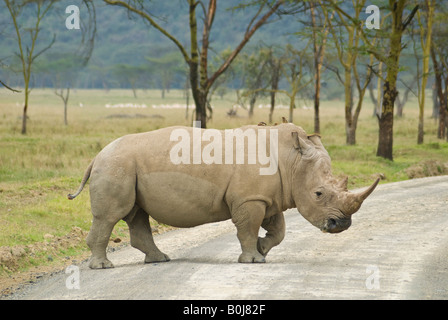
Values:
[(263, 246), (251, 258), (100, 263), (157, 258)]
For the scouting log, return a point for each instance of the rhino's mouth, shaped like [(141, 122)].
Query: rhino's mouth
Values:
[(336, 225)]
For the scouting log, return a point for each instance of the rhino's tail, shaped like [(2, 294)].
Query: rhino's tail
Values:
[(83, 182)]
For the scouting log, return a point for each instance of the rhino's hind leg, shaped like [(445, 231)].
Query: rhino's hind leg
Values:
[(111, 199), (97, 240), (141, 236), (275, 227), (247, 219)]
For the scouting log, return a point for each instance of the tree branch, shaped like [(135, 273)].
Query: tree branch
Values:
[(410, 16), (246, 39), (13, 90), (44, 49), (153, 23)]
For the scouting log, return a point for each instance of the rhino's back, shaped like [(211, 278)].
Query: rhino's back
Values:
[(181, 195)]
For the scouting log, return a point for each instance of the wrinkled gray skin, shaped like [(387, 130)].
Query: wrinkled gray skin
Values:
[(133, 177)]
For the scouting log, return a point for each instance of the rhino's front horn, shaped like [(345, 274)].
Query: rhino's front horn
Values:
[(354, 200), (364, 194)]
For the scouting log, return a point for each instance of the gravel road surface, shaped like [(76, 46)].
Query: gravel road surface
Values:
[(396, 248)]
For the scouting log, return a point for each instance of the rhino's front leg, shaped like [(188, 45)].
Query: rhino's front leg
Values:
[(275, 227), (247, 219)]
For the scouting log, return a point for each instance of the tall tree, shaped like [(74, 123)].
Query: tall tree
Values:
[(27, 49), (275, 65), (319, 44), (32, 14), (197, 59), (295, 70), (397, 10), (439, 54), (254, 67), (348, 45), (425, 39), (386, 118)]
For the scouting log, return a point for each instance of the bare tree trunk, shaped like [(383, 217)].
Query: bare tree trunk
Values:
[(291, 108), (442, 103), (187, 99), (318, 61), (386, 119), (317, 69), (65, 100), (435, 103), (24, 115), (350, 135), (65, 113), (271, 109), (252, 101), (373, 98), (200, 101), (274, 87), (350, 131), (379, 93), (401, 102), (385, 141), (425, 37), (445, 100)]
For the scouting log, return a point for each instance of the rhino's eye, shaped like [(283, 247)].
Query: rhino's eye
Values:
[(318, 193)]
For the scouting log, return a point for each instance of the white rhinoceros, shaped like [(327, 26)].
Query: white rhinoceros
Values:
[(181, 181)]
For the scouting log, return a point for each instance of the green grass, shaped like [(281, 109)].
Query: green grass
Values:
[(39, 169)]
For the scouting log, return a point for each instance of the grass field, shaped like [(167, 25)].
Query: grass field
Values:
[(37, 170)]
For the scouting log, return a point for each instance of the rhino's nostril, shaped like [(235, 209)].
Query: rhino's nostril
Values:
[(331, 224)]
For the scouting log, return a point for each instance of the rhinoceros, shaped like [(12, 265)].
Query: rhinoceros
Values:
[(151, 174)]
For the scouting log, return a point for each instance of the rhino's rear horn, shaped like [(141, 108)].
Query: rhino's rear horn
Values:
[(342, 184)]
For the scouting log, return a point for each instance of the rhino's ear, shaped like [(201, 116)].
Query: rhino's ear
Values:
[(299, 143), (315, 138), (295, 139)]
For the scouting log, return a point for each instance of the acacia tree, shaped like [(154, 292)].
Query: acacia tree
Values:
[(294, 73), (319, 44), (275, 62), (197, 59), (29, 48), (295, 70), (439, 54), (391, 58), (348, 45), (425, 39), (254, 67), (386, 119), (27, 51)]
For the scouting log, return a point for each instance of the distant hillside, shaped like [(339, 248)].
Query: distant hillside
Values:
[(124, 41)]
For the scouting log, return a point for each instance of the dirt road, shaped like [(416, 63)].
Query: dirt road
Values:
[(396, 248)]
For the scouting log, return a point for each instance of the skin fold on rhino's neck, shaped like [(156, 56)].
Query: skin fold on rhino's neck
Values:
[(287, 172), (305, 174)]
